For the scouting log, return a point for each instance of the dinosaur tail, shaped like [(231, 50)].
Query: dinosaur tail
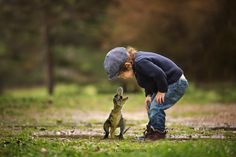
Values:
[(126, 130)]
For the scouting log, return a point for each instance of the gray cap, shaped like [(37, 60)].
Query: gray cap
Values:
[(114, 59)]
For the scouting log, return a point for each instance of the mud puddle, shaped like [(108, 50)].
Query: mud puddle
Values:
[(99, 133)]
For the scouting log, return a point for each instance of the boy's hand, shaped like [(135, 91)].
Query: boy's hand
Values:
[(160, 97), (148, 100)]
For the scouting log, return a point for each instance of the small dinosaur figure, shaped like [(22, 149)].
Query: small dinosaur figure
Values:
[(115, 118)]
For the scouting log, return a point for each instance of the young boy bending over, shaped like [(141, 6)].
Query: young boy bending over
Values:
[(163, 81)]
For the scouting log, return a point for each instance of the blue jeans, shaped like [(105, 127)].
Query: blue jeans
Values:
[(156, 113)]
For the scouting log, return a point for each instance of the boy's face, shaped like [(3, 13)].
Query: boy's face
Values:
[(126, 75)]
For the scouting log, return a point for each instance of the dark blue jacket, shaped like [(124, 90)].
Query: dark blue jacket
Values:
[(155, 72)]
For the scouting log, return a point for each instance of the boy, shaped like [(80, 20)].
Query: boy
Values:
[(162, 80)]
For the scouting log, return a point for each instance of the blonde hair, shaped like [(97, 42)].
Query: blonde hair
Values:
[(131, 51)]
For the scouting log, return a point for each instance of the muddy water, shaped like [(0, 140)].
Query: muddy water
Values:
[(94, 134)]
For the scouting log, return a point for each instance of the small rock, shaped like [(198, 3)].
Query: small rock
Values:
[(63, 132), (58, 133), (44, 150)]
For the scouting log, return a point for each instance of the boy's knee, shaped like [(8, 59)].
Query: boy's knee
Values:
[(155, 108), (155, 111)]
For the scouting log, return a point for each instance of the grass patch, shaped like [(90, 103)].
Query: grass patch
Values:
[(71, 95), (23, 144)]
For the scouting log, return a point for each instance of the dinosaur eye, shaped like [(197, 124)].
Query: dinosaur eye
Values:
[(118, 97)]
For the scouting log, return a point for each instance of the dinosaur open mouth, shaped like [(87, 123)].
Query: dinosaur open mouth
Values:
[(125, 98), (118, 97)]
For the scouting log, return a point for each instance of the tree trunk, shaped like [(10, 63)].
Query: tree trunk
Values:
[(48, 50), (50, 71)]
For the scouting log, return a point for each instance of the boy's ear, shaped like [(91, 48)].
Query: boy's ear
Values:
[(128, 65)]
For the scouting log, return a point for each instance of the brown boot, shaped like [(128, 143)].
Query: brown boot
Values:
[(145, 133), (148, 131), (155, 134)]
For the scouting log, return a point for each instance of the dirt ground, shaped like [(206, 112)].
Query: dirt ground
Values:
[(217, 115), (215, 121)]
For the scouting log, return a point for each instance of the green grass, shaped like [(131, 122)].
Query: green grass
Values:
[(25, 111), (24, 144), (73, 95), (210, 94)]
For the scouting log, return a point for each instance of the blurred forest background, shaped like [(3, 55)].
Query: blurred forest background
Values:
[(45, 42), (55, 95)]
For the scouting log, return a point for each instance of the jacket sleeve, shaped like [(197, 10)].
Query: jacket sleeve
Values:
[(148, 92), (156, 73)]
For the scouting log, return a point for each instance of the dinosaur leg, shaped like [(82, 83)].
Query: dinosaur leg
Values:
[(106, 127), (122, 127), (113, 132)]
